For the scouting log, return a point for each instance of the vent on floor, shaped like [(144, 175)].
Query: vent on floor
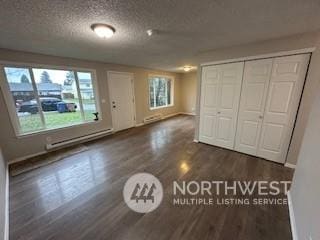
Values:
[(152, 118)]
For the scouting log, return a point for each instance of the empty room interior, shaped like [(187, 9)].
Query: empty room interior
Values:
[(131, 120)]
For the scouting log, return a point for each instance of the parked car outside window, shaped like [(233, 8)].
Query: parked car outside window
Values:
[(47, 104)]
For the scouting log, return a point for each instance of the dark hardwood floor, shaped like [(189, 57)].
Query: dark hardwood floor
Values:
[(80, 197)]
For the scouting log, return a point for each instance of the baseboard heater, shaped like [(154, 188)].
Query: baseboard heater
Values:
[(152, 118), (71, 141)]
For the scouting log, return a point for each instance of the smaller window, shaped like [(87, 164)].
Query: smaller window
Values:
[(160, 92)]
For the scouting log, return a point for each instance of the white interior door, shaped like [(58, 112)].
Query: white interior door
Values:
[(254, 91), (209, 104), (121, 93), (220, 94), (228, 100), (286, 84)]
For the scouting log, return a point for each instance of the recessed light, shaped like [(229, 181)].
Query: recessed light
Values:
[(187, 68), (103, 30)]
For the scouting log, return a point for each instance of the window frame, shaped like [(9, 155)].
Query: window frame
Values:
[(11, 107), (171, 90)]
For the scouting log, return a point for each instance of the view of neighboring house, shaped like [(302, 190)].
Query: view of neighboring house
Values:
[(24, 91), (86, 89), (85, 86)]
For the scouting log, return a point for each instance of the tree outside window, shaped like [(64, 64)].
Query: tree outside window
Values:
[(160, 91)]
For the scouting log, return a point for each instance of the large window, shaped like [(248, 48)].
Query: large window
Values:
[(160, 91), (42, 98)]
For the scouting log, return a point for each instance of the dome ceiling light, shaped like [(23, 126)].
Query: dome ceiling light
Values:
[(151, 32), (187, 68), (103, 30)]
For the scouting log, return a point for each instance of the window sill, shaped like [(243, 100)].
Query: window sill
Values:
[(44, 131), (167, 106)]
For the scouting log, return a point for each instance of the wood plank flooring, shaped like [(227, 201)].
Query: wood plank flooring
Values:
[(80, 197)]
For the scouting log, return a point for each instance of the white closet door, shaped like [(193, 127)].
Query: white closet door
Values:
[(253, 98), (209, 104), (220, 94), (228, 102), (286, 84)]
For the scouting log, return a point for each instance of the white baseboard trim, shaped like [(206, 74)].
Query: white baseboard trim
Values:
[(292, 218), (289, 165), (139, 124), (163, 117), (6, 223), (171, 115), (188, 113), (195, 140), (76, 141), (20, 159)]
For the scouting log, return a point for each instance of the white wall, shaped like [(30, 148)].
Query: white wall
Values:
[(305, 189), (188, 92), (309, 94), (3, 197)]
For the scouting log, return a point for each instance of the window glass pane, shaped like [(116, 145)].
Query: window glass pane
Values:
[(22, 92), (87, 95), (152, 93), (169, 92), (161, 96), (58, 96), (160, 92)]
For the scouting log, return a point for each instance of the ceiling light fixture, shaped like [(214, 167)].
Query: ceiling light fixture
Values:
[(187, 68), (103, 30), (151, 32)]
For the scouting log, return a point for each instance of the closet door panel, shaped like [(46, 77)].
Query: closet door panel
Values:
[(209, 104), (228, 102), (253, 97), (287, 80), (224, 127)]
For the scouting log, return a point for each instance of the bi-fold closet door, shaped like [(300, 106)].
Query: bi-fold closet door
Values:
[(220, 93), (254, 93), (268, 91), (270, 97)]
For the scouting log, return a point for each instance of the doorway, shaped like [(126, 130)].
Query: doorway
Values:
[(121, 92)]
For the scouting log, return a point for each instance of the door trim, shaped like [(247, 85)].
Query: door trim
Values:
[(133, 94), (261, 56)]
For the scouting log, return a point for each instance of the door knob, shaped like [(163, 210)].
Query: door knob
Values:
[(114, 106), (219, 112), (260, 116)]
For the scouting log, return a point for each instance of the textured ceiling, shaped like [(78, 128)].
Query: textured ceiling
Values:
[(186, 27)]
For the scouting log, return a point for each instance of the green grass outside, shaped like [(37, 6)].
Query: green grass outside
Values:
[(76, 100), (30, 123)]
